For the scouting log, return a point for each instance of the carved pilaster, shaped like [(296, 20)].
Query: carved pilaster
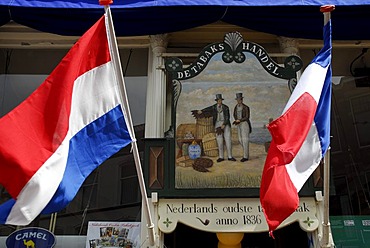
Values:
[(289, 45), (156, 89), (158, 43)]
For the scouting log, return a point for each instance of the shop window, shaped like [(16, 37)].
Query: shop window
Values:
[(90, 191), (361, 119), (367, 177), (335, 141), (340, 204), (130, 191)]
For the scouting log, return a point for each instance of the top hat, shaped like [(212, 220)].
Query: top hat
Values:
[(219, 97), (239, 96)]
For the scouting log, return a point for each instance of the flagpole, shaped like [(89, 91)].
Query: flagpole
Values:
[(117, 64), (326, 239)]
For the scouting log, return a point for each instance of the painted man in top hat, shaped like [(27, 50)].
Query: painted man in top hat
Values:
[(243, 124), (221, 121)]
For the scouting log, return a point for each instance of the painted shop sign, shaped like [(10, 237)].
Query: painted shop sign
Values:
[(228, 215), (222, 103)]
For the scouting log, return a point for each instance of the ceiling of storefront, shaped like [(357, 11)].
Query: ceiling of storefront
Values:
[(300, 19), (15, 36)]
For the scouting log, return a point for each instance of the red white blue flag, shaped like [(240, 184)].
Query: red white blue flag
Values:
[(300, 138), (64, 130)]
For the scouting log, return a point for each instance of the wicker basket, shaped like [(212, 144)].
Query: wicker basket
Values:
[(210, 147), (204, 126), (182, 129)]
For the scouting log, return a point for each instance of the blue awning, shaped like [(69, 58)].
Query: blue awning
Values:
[(299, 19)]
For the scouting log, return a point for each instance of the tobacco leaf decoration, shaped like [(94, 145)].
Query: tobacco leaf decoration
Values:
[(233, 39), (233, 49)]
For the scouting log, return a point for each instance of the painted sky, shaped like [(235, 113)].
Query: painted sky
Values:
[(264, 94)]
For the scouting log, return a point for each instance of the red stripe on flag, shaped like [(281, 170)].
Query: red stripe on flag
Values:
[(290, 130), (279, 197), (32, 132)]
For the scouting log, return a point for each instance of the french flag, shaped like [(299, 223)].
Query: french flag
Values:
[(300, 138), (64, 130)]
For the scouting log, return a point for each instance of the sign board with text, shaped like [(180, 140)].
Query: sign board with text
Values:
[(228, 215)]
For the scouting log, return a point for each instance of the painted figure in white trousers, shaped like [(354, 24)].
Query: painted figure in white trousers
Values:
[(221, 121), (243, 136), (224, 137), (241, 116)]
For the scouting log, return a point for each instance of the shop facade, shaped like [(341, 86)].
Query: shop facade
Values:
[(188, 206)]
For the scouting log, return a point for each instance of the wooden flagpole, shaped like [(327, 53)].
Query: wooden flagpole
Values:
[(326, 239), (117, 64)]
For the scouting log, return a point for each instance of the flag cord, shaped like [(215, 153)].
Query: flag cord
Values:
[(127, 63), (123, 95), (88, 201)]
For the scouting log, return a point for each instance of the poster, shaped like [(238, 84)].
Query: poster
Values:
[(113, 234)]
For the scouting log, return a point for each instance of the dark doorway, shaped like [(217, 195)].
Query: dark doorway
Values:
[(291, 236)]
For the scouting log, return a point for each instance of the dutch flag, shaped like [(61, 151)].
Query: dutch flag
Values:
[(300, 138), (64, 130)]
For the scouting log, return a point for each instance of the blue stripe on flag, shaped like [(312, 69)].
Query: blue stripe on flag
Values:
[(322, 116), (323, 58), (5, 209), (88, 149)]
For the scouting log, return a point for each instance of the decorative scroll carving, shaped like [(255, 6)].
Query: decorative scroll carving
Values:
[(233, 48)]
